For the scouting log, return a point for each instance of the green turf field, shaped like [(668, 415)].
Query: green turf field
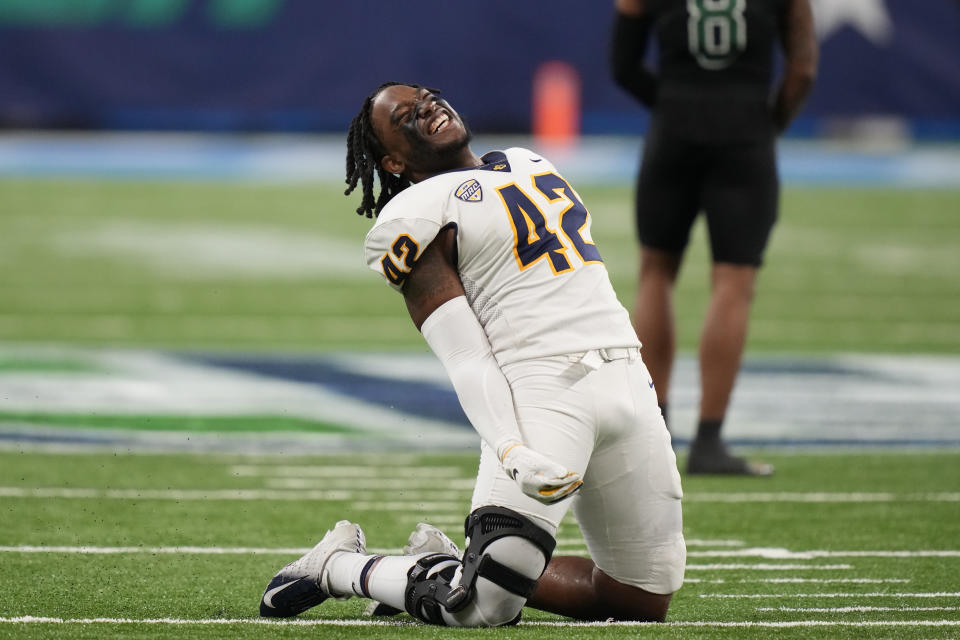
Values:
[(841, 546), (258, 266), (853, 543)]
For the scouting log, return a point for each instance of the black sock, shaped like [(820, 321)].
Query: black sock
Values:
[(709, 430)]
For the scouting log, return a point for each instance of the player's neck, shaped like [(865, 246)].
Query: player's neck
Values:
[(464, 160)]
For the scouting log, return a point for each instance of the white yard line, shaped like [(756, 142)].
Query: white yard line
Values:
[(700, 542), (424, 484), (295, 551), (858, 496), (799, 581), (768, 567), (348, 494), (793, 623), (461, 506), (937, 594), (403, 623), (185, 550), (459, 500), (437, 519), (208, 621), (776, 553), (191, 549), (335, 471), (854, 609)]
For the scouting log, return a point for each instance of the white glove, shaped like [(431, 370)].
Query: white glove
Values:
[(538, 476)]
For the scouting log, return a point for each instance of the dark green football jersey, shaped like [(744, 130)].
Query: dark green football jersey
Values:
[(716, 60)]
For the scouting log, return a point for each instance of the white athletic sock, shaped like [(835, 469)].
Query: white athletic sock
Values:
[(342, 569), (387, 579), (383, 578)]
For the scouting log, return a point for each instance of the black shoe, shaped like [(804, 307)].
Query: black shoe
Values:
[(712, 458)]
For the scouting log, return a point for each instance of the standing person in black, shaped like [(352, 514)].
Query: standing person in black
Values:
[(710, 148)]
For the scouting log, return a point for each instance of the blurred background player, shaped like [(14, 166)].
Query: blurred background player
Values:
[(710, 148), (495, 262)]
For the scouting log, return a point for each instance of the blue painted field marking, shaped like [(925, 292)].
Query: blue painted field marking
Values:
[(405, 402)]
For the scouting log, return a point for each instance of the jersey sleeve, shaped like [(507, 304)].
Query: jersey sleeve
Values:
[(406, 227)]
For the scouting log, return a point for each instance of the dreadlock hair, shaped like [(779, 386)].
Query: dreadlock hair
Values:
[(364, 151)]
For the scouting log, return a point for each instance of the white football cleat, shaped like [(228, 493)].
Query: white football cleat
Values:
[(301, 584), (426, 538)]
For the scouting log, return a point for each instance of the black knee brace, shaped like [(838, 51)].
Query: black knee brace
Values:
[(482, 527), (429, 593)]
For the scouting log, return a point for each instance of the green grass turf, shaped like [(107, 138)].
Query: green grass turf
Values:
[(151, 585), (94, 262), (201, 424), (98, 263)]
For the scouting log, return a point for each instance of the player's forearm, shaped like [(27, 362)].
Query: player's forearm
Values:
[(628, 44), (460, 343), (800, 70), (793, 92)]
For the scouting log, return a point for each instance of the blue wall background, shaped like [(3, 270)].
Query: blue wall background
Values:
[(305, 65)]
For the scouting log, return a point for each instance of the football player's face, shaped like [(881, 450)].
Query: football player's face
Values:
[(419, 127)]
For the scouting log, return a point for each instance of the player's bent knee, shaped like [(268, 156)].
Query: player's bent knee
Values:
[(627, 602), (506, 553)]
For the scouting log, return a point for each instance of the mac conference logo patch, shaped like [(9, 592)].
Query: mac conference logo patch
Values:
[(470, 191)]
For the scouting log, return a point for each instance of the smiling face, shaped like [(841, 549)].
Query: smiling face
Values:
[(421, 134)]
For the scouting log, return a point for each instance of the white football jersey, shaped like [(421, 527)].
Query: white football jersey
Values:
[(531, 271)]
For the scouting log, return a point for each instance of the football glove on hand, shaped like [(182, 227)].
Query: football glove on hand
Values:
[(538, 476)]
